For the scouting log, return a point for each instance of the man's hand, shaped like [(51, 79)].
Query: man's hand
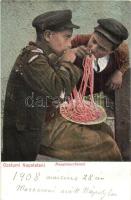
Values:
[(81, 51), (68, 56), (115, 81)]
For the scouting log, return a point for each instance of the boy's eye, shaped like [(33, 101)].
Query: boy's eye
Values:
[(94, 41), (68, 36), (102, 48)]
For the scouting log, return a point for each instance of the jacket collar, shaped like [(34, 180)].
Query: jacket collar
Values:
[(44, 46)]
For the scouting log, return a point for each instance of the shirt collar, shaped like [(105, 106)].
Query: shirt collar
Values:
[(102, 63)]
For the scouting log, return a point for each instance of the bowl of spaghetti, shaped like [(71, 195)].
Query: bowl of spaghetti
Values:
[(84, 113)]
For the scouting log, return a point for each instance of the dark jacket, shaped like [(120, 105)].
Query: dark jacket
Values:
[(34, 79)]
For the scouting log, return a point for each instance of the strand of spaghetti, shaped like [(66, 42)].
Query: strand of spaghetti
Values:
[(92, 84), (82, 81), (87, 75), (75, 92)]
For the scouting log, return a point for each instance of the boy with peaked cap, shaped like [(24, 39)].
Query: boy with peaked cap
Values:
[(112, 57), (37, 73)]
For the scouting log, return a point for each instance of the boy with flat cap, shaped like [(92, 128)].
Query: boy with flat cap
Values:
[(38, 73), (112, 57)]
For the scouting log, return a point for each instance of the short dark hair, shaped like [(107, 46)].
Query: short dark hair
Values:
[(39, 34)]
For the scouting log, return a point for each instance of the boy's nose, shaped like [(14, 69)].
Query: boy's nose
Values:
[(93, 48)]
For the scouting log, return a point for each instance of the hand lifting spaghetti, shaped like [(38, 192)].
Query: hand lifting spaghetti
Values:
[(78, 110)]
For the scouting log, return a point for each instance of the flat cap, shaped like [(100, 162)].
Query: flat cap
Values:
[(112, 30), (54, 20)]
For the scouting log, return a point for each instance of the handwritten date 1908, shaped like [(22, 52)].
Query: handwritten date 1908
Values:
[(26, 176)]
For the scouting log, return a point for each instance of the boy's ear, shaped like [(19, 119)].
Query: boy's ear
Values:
[(47, 35)]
